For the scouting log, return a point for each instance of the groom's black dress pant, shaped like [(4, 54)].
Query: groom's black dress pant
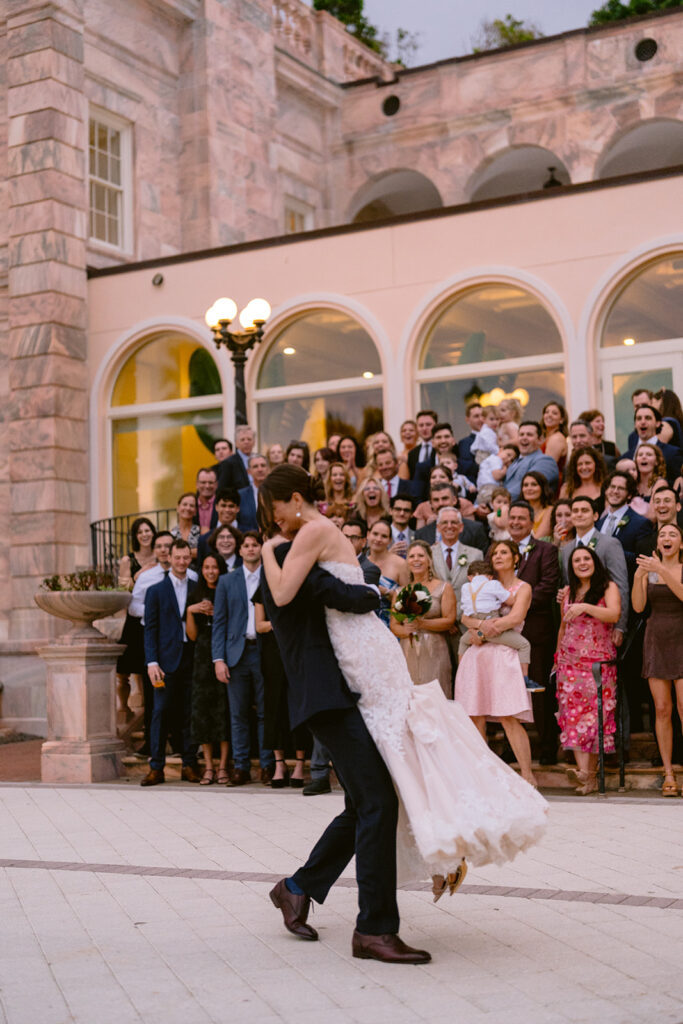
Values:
[(366, 826)]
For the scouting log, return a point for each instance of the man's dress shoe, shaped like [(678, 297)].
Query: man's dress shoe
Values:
[(388, 949), (154, 777), (294, 911), (267, 775), (190, 774), (239, 777), (316, 787)]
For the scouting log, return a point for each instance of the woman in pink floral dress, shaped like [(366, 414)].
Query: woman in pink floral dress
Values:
[(589, 612)]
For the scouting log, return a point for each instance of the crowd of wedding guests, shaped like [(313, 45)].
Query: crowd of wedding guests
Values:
[(544, 549)]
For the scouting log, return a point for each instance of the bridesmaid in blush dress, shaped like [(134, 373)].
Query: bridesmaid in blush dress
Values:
[(489, 682), (423, 641), (590, 611)]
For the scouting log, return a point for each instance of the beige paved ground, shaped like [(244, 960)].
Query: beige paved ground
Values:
[(127, 944)]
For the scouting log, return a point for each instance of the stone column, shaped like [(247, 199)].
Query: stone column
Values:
[(82, 745), (46, 521)]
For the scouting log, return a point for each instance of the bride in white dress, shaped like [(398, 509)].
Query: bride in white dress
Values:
[(457, 799)]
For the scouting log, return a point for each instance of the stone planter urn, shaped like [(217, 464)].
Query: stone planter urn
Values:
[(81, 745)]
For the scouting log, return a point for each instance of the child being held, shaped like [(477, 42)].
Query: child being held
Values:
[(493, 469), (498, 518), (483, 597)]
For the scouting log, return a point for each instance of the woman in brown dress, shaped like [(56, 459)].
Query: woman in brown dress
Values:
[(423, 641), (659, 582)]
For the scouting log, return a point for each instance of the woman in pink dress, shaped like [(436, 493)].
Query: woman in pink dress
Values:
[(590, 610), (489, 683)]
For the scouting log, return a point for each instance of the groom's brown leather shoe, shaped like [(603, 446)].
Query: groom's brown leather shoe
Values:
[(294, 911), (388, 949)]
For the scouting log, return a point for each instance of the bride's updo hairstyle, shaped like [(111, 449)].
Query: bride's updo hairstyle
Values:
[(280, 485)]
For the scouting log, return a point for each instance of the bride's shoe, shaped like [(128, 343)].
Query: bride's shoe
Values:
[(456, 880), (452, 882)]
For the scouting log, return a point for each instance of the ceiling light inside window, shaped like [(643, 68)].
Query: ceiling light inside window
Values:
[(289, 351), (629, 341), (368, 374)]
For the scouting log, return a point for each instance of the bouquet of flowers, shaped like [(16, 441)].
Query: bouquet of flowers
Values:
[(412, 602)]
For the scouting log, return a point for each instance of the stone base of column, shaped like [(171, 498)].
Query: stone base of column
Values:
[(88, 761), (82, 743)]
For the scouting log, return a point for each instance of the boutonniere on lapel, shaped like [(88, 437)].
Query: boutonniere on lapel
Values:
[(593, 542), (528, 549), (622, 522), (463, 560)]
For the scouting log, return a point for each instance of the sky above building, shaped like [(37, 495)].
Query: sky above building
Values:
[(446, 27)]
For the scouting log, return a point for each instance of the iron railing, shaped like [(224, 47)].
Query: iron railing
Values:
[(110, 538)]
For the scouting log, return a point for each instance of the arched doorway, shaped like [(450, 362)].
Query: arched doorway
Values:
[(641, 340), (392, 194), (321, 374), (516, 171), (490, 341), (165, 410)]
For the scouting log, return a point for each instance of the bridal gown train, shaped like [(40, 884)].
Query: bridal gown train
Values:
[(457, 799)]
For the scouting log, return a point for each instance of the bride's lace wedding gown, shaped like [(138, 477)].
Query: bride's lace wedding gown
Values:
[(457, 799)]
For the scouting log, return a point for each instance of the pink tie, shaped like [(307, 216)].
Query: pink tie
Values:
[(449, 558), (389, 489)]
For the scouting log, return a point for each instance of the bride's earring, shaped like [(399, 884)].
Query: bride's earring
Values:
[(298, 515)]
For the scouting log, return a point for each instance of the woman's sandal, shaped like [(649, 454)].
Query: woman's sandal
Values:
[(208, 777), (297, 783), (669, 787), (223, 777), (283, 782), (590, 785), (577, 776)]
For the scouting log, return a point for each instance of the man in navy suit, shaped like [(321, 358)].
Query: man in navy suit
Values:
[(319, 696), (424, 450), (466, 461), (648, 423), (236, 658), (168, 654), (618, 519), (258, 471), (386, 464), (234, 471)]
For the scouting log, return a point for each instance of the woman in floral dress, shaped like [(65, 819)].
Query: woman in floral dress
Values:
[(590, 611)]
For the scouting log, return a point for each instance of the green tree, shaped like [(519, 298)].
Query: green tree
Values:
[(502, 32), (615, 10), (350, 13)]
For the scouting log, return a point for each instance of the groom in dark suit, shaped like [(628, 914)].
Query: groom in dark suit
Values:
[(320, 697)]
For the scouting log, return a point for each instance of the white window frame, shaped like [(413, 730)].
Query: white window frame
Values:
[(302, 209), (125, 130)]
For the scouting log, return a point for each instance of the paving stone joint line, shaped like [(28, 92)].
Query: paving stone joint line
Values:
[(515, 892)]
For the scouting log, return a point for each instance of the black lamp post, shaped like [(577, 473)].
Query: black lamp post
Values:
[(253, 320)]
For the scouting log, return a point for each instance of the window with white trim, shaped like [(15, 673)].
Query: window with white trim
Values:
[(110, 180)]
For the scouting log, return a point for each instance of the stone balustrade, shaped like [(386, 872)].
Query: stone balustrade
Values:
[(320, 41)]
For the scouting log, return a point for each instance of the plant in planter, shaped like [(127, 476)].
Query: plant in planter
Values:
[(82, 597)]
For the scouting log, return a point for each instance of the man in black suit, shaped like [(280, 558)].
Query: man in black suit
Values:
[(234, 471), (319, 697), (357, 531), (168, 654), (618, 519), (466, 462), (648, 423), (474, 535), (423, 451), (539, 567)]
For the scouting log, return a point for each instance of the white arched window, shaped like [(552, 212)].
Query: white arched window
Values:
[(320, 375), (489, 342), (641, 340), (165, 412)]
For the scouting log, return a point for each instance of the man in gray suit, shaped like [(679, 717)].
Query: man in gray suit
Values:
[(530, 457), (608, 550), (450, 557)]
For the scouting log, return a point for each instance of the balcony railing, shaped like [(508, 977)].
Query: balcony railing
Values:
[(110, 538)]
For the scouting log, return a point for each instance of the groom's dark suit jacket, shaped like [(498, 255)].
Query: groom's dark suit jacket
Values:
[(315, 681)]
